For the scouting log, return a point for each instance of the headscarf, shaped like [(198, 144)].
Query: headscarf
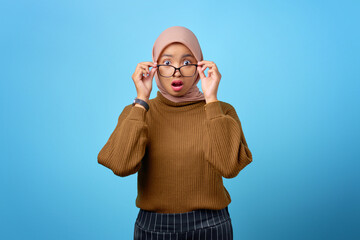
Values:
[(188, 38)]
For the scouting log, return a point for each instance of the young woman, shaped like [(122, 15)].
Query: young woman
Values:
[(181, 144)]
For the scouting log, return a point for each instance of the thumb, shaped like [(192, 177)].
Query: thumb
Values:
[(152, 72), (202, 75)]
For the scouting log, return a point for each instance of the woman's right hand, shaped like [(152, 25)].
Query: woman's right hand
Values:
[(142, 78)]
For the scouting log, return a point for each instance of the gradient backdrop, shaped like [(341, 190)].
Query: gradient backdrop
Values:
[(290, 68)]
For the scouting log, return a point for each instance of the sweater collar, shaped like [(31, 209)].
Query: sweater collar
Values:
[(168, 102)]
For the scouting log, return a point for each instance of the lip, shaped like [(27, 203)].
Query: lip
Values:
[(177, 88), (177, 81)]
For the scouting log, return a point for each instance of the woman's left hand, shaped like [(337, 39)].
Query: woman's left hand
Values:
[(209, 84)]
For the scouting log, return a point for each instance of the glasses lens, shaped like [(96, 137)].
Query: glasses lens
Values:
[(166, 71), (188, 71)]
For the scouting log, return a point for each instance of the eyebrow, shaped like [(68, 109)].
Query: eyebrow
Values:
[(169, 55)]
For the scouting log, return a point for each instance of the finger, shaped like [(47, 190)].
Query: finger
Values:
[(141, 70), (209, 65), (200, 69), (152, 72), (153, 65), (143, 73), (203, 62), (204, 67), (201, 73), (147, 63), (214, 71), (145, 68), (140, 75)]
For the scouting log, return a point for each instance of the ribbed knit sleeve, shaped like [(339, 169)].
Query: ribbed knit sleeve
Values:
[(224, 142), (126, 145)]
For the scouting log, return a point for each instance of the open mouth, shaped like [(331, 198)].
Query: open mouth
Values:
[(177, 83)]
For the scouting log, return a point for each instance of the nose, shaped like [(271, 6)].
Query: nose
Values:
[(177, 73)]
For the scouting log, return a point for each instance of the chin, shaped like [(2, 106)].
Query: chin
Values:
[(176, 94)]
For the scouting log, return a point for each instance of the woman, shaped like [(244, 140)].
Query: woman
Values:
[(181, 143)]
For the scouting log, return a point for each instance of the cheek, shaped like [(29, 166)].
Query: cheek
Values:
[(162, 81), (191, 82)]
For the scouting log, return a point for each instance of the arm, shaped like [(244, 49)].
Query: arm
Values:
[(224, 141), (126, 146)]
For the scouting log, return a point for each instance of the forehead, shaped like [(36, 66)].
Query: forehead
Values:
[(176, 50)]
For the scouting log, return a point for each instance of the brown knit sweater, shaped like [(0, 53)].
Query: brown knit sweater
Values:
[(181, 151)]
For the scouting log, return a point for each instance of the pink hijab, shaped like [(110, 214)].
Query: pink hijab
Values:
[(188, 38)]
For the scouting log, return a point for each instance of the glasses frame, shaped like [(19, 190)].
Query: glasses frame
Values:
[(175, 68)]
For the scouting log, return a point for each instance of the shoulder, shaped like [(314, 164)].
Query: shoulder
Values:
[(126, 110), (229, 110), (227, 107)]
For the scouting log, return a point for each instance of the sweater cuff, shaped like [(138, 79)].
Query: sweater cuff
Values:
[(213, 110), (137, 113)]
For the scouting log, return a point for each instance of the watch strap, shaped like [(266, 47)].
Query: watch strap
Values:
[(141, 102)]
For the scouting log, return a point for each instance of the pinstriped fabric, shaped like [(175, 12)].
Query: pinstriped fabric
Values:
[(201, 224)]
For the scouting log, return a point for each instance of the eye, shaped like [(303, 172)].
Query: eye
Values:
[(166, 61), (188, 62)]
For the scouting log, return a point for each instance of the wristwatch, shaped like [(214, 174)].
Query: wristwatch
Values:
[(141, 102)]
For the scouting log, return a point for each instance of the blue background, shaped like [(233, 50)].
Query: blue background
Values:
[(290, 68)]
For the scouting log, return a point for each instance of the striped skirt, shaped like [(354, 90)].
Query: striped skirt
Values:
[(204, 224)]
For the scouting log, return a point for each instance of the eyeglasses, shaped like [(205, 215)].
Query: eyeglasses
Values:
[(169, 70)]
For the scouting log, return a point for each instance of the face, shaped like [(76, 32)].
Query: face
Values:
[(177, 55)]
